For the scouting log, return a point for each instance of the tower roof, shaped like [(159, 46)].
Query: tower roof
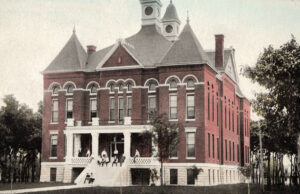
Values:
[(186, 50), (71, 58), (171, 13)]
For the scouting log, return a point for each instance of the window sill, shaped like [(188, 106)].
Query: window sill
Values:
[(173, 120), (54, 95), (54, 123), (173, 158), (111, 122), (190, 119), (191, 158), (52, 158)]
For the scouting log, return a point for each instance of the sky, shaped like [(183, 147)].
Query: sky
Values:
[(32, 32)]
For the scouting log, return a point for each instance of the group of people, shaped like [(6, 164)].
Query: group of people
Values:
[(89, 178), (85, 153), (104, 159)]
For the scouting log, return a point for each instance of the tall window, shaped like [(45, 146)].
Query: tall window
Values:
[(151, 106), (93, 89), (209, 176), (121, 87), (129, 87), (225, 116), (173, 107), (112, 109), (238, 152), (52, 174), (190, 106), (129, 106), (112, 88), (93, 109), (173, 84), (232, 121), (237, 123), (152, 86), (225, 149), (53, 145), (121, 109), (208, 144), (217, 114), (213, 108), (190, 177), (55, 90), (69, 111), (173, 176), (213, 145), (55, 111), (230, 150), (190, 139), (208, 106), (218, 151), (70, 89), (229, 121), (233, 156)]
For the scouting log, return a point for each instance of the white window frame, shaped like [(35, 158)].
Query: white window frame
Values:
[(66, 108), (186, 137), (186, 107), (109, 117), (90, 109), (53, 133), (127, 105), (173, 94), (151, 96), (120, 97), (55, 122)]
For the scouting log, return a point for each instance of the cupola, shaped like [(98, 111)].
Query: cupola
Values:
[(171, 23), (151, 10)]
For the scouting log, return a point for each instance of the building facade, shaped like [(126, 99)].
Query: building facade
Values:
[(98, 102)]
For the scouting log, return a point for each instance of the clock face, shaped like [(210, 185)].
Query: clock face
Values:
[(148, 10), (169, 29)]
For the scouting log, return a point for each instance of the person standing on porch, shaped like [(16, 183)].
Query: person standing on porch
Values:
[(88, 153), (136, 155), (104, 157)]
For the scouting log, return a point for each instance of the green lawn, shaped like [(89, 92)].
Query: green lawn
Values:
[(29, 185), (230, 189)]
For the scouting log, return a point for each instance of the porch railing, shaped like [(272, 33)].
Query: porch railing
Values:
[(81, 160), (143, 161)]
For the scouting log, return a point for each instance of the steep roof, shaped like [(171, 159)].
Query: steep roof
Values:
[(186, 50), (148, 46), (171, 13), (71, 58)]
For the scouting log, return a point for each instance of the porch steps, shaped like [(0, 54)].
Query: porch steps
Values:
[(104, 175)]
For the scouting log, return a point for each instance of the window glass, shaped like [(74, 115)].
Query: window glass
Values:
[(121, 86), (93, 108), (173, 176), (52, 174), (152, 86), (190, 144), (55, 90), (191, 83), (69, 109), (190, 106), (112, 88), (93, 89), (129, 87), (129, 106), (121, 109), (173, 107), (55, 111), (70, 89), (173, 84), (112, 109), (190, 177), (53, 141)]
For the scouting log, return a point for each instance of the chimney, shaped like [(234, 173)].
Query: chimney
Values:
[(91, 49), (219, 54)]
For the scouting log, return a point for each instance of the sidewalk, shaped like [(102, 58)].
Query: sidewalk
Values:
[(46, 189)]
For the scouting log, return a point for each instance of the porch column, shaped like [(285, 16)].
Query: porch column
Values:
[(69, 139), (127, 145), (95, 144)]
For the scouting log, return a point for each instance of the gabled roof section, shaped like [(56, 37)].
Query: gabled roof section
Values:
[(229, 66), (186, 50), (71, 58), (171, 14), (120, 51)]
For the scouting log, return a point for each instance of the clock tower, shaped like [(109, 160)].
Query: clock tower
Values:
[(171, 23), (151, 10)]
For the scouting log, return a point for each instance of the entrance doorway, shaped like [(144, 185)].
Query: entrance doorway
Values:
[(140, 176)]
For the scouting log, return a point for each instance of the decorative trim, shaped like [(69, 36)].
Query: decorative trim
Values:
[(69, 82), (53, 84), (190, 129), (53, 132)]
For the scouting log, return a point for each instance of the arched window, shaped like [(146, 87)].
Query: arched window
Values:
[(93, 89), (121, 87), (112, 88), (55, 90), (152, 86), (173, 84), (190, 83), (70, 89), (129, 87)]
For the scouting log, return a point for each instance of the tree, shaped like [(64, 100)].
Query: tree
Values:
[(165, 138), (278, 70)]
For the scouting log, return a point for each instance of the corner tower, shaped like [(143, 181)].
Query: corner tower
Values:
[(171, 23), (151, 10)]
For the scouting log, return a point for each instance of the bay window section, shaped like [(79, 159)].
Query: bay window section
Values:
[(173, 107), (55, 111), (93, 108), (111, 109), (190, 106), (190, 139)]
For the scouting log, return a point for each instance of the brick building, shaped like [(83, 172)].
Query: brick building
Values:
[(98, 102)]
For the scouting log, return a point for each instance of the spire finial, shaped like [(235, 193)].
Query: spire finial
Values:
[(74, 29), (171, 1), (188, 17)]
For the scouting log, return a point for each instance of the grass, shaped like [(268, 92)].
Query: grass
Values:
[(230, 189), (16, 186)]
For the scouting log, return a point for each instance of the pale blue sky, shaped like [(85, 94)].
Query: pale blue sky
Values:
[(32, 32)]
